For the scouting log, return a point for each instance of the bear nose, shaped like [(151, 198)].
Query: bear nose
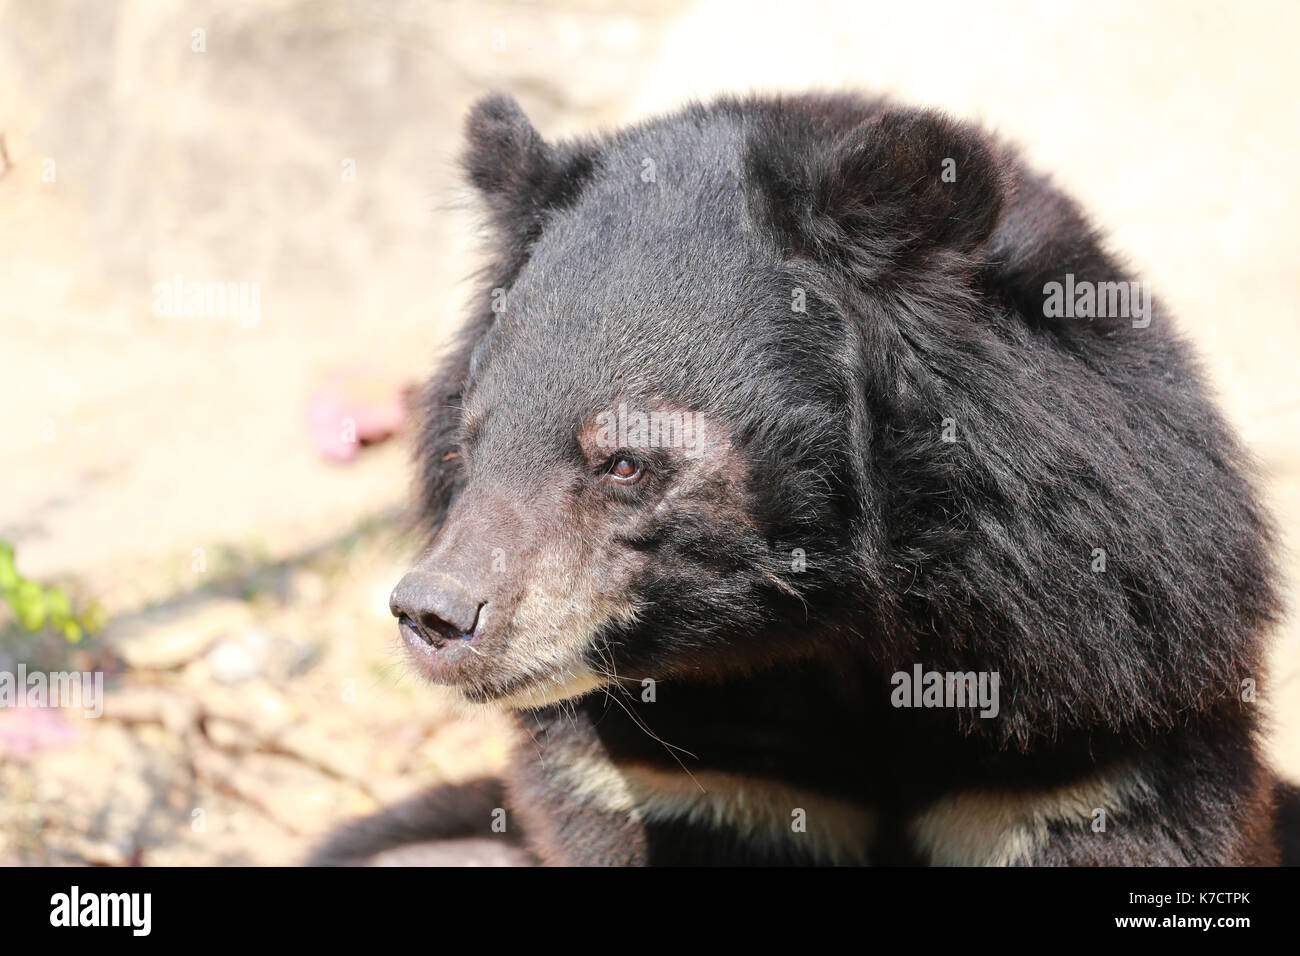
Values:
[(438, 606)]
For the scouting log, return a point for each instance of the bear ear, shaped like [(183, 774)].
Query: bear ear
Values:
[(518, 173), (505, 154), (892, 192)]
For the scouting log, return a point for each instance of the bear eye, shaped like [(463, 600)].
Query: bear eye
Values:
[(623, 467)]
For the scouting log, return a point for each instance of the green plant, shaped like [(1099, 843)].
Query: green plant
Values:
[(37, 607)]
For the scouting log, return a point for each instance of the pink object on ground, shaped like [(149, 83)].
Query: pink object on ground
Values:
[(28, 730), (355, 408)]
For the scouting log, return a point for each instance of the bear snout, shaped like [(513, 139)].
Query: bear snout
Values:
[(438, 607)]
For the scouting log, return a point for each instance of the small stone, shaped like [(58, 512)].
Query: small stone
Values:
[(236, 661)]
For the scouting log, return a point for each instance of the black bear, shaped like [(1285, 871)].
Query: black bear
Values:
[(814, 488)]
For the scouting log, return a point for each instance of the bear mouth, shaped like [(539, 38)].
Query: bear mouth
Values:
[(436, 633), (449, 657), (439, 652)]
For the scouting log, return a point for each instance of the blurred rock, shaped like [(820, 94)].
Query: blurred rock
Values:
[(227, 735), (255, 652), (142, 704), (258, 705), (173, 635), (298, 797), (307, 743)]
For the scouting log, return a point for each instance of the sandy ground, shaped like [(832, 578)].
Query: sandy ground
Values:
[(246, 697)]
